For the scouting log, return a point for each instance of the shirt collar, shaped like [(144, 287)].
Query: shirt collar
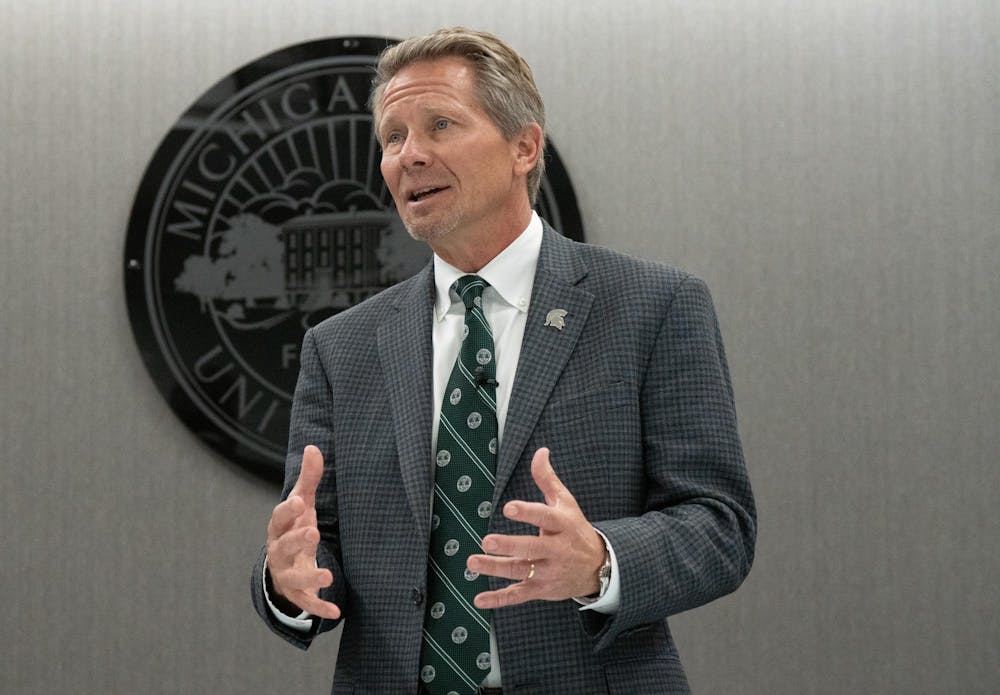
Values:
[(511, 272)]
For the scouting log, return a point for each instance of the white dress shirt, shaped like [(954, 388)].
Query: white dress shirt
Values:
[(511, 276)]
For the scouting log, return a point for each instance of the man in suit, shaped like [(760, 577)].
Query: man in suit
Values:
[(617, 492)]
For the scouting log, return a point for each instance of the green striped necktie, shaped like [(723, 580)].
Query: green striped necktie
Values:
[(455, 655)]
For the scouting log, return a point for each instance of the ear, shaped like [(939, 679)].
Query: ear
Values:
[(527, 148)]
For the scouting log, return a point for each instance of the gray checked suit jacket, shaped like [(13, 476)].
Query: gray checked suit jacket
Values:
[(633, 399)]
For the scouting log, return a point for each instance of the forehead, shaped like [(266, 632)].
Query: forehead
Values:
[(443, 79)]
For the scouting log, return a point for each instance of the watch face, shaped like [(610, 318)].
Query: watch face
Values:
[(263, 212)]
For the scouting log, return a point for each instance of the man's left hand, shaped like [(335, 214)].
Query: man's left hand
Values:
[(561, 562)]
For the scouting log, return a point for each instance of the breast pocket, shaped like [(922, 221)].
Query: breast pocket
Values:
[(609, 399), (595, 440)]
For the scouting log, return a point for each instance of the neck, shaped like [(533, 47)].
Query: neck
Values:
[(470, 252)]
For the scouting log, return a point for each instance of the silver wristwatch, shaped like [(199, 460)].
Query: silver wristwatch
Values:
[(604, 573), (603, 577)]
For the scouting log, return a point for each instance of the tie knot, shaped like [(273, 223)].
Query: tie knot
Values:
[(470, 289)]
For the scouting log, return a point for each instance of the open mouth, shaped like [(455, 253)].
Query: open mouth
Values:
[(424, 193)]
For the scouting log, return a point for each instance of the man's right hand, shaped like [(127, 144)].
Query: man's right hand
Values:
[(292, 539)]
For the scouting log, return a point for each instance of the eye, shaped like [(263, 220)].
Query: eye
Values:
[(393, 138), (441, 124)]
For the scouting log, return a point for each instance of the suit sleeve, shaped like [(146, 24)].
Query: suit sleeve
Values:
[(310, 424), (695, 540)]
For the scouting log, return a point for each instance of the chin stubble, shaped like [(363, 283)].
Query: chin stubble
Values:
[(432, 231)]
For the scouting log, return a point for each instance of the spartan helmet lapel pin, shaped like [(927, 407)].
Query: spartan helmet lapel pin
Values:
[(556, 318)]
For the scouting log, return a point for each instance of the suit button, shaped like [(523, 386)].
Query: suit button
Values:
[(417, 595)]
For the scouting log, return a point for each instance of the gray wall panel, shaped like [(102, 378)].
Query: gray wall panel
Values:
[(831, 168)]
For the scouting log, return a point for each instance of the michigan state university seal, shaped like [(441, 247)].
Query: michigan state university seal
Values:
[(262, 213)]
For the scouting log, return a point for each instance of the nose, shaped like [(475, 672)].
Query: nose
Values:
[(415, 151)]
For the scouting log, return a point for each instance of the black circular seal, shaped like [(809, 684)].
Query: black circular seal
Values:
[(263, 212)]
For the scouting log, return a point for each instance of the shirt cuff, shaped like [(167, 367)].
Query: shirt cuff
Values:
[(302, 622), (609, 601)]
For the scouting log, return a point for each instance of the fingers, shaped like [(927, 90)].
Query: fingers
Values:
[(303, 591), (535, 583), (558, 562), (300, 507), (295, 547), (293, 538), (505, 567), (310, 474), (318, 607), (301, 582), (548, 519), (554, 515), (512, 595), (284, 516), (529, 547), (547, 480), (308, 579)]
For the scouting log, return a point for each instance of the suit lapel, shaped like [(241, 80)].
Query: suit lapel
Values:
[(545, 349), (405, 348)]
